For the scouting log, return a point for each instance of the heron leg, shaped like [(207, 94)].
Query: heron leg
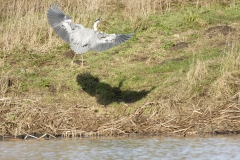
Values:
[(82, 59), (73, 59)]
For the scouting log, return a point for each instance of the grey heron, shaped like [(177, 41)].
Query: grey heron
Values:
[(82, 39)]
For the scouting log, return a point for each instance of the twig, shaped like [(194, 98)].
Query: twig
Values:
[(182, 130), (236, 107), (28, 135), (152, 115), (235, 117), (162, 124), (230, 111), (133, 123), (42, 136), (46, 135), (197, 112)]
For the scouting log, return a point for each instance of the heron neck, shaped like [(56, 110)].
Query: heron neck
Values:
[(95, 26)]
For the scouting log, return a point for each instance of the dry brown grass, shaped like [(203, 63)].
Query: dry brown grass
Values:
[(227, 86), (24, 24), (159, 118), (197, 72), (23, 116)]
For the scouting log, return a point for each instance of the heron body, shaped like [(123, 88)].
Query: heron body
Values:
[(82, 39)]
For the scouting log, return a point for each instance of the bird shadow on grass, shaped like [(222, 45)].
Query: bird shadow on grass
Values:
[(105, 93)]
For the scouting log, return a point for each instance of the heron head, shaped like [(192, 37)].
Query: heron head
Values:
[(97, 20), (95, 23), (67, 17)]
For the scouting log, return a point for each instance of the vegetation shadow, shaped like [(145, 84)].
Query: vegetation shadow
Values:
[(105, 93)]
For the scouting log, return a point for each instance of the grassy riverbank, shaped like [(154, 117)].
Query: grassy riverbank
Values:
[(179, 74)]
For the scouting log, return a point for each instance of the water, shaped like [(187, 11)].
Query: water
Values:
[(124, 148)]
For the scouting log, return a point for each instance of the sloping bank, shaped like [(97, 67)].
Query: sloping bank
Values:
[(24, 119)]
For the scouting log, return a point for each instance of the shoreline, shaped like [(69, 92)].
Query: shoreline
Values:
[(131, 135)]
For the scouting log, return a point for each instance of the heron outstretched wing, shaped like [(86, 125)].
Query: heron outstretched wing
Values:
[(101, 41), (56, 19), (82, 39)]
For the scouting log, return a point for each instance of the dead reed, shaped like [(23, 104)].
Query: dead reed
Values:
[(24, 24), (27, 117), (159, 118)]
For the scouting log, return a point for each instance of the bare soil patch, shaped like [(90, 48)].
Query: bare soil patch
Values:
[(69, 54), (215, 30), (180, 45)]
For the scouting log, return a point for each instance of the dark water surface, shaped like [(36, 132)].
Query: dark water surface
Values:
[(216, 147)]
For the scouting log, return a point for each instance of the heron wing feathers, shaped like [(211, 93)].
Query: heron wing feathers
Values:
[(79, 49), (102, 41), (55, 16), (80, 40), (56, 19)]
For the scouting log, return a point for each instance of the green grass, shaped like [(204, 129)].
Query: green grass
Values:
[(146, 61)]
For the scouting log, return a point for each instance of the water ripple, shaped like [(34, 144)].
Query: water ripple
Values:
[(128, 148)]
